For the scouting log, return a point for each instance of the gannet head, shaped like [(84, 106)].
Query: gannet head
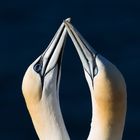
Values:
[(108, 90), (43, 75), (41, 87), (95, 66)]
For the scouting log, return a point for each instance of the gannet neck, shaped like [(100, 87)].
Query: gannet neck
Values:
[(47, 119), (108, 102), (51, 125)]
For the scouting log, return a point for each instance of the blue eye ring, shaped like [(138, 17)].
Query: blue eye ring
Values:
[(38, 67)]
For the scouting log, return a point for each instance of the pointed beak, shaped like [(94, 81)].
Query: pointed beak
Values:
[(86, 53), (52, 56)]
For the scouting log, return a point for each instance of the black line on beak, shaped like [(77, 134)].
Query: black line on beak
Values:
[(89, 50), (82, 51), (38, 66)]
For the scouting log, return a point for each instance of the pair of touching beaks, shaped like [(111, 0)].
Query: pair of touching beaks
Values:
[(52, 56)]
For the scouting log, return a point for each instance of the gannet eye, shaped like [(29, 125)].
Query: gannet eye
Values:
[(95, 68), (95, 71), (38, 67)]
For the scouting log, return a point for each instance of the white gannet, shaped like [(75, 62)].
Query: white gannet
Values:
[(41, 90), (107, 87)]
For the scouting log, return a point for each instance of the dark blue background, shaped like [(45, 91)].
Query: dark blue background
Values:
[(111, 27)]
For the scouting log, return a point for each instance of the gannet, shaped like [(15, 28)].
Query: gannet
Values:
[(41, 90), (107, 87)]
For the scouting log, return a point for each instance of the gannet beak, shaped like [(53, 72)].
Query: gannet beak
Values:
[(85, 52), (52, 56)]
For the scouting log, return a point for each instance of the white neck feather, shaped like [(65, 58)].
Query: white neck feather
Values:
[(104, 125), (47, 119)]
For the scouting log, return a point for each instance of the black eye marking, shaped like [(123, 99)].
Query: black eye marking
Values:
[(38, 67)]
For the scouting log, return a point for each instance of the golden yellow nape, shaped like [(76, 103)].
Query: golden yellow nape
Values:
[(107, 87), (31, 86)]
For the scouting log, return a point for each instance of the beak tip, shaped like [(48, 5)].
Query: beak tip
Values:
[(68, 19)]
